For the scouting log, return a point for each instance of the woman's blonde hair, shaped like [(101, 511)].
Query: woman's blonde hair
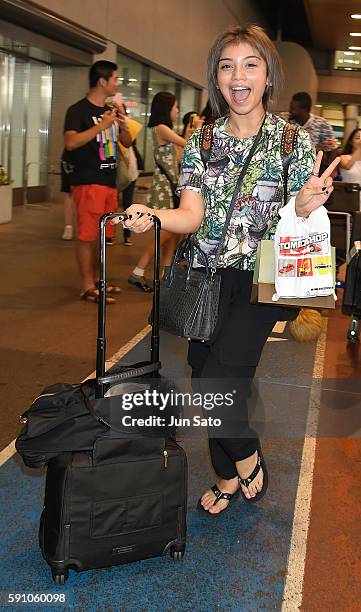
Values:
[(258, 39)]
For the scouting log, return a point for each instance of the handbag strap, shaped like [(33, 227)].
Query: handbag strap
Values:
[(213, 264), (288, 141), (206, 143), (93, 412)]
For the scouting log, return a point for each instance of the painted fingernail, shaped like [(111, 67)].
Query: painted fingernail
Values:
[(129, 216), (138, 213), (326, 192), (324, 188)]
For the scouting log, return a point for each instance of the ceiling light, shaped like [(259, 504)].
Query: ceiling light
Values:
[(318, 105), (349, 53), (347, 68), (349, 61), (355, 48), (355, 33), (356, 16)]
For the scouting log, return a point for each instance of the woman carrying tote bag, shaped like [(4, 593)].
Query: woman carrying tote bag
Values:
[(244, 72)]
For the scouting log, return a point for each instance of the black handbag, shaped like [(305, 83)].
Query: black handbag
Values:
[(61, 419), (189, 298), (66, 418)]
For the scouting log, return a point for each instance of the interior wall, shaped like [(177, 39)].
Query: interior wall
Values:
[(175, 35), (340, 84), (300, 74)]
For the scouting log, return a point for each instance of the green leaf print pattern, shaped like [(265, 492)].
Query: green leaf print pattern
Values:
[(255, 215)]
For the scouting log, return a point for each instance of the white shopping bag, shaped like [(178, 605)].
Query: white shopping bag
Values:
[(303, 262)]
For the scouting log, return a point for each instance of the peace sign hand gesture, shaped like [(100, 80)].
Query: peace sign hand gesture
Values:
[(317, 190)]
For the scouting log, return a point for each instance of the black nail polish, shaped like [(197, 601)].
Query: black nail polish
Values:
[(324, 188), (326, 192), (129, 216), (138, 213)]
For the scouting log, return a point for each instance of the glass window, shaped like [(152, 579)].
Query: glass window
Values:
[(38, 111), (25, 101), (19, 78), (347, 60), (132, 85), (4, 110), (188, 102), (138, 84)]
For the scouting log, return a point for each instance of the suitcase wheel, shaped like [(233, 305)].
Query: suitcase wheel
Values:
[(60, 577), (353, 332), (177, 552)]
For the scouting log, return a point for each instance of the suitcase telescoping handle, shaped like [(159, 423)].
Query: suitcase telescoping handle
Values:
[(143, 368)]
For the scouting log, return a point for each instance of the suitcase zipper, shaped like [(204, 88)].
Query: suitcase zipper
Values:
[(165, 455)]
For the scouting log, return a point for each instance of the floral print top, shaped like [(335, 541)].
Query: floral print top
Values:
[(166, 156), (255, 215)]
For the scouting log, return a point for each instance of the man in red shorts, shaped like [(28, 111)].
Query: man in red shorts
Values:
[(91, 133)]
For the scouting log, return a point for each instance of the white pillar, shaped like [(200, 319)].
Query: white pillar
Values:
[(350, 113)]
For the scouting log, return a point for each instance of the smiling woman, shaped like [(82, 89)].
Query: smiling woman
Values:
[(259, 56), (231, 202)]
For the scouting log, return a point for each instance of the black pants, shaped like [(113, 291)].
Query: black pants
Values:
[(228, 362), (128, 193)]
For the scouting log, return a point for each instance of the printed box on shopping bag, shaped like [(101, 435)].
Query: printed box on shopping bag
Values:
[(264, 274)]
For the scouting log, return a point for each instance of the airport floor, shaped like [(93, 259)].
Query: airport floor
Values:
[(298, 549)]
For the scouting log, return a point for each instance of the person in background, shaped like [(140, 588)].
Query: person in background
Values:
[(91, 133), (350, 163), (163, 114), (133, 159), (190, 121), (69, 206), (208, 115), (244, 72), (319, 130)]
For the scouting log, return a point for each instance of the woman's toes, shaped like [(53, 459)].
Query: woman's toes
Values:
[(206, 501), (247, 492), (215, 509)]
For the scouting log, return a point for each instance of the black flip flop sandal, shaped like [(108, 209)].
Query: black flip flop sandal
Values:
[(247, 481), (219, 495)]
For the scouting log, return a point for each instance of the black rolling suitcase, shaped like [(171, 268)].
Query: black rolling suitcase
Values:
[(125, 499), (351, 303)]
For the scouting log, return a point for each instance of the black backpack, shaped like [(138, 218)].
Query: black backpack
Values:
[(67, 418)]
